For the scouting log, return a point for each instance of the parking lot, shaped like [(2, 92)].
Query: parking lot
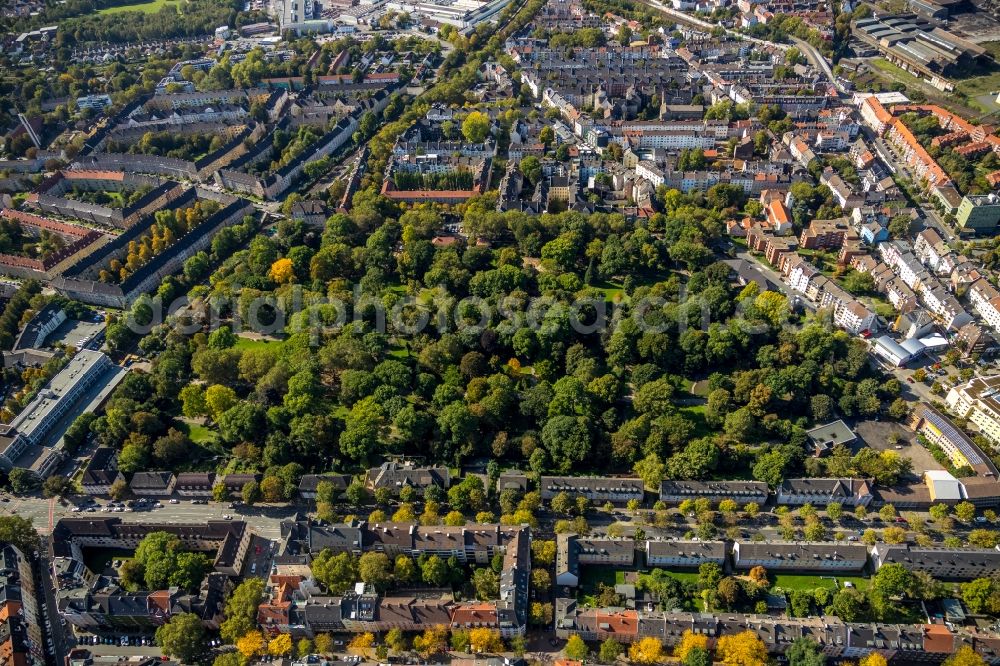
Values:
[(76, 333), (875, 434)]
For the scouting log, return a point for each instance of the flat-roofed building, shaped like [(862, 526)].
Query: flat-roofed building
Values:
[(979, 213), (31, 440), (959, 447), (823, 438)]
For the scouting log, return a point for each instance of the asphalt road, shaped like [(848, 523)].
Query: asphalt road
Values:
[(264, 519), (776, 278)]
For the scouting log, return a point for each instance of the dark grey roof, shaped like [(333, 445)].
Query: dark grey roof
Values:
[(151, 480), (714, 488), (309, 482)]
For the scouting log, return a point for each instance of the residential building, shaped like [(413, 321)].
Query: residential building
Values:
[(574, 552), (101, 472), (820, 492), (309, 482), (684, 554), (152, 484), (597, 489), (21, 617), (978, 401), (979, 214), (804, 557), (194, 484), (959, 447), (395, 475), (854, 317), (941, 563), (672, 490), (31, 440)]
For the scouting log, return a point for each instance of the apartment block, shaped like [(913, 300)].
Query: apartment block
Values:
[(942, 563), (978, 401), (617, 490), (820, 492), (804, 557)]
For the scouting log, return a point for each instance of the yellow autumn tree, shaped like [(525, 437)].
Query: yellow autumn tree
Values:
[(323, 643), (873, 659), (647, 651), (282, 271), (362, 643), (688, 642), (965, 656), (483, 639), (251, 644), (433, 640), (280, 645), (743, 649)]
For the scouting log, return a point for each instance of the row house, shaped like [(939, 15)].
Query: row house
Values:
[(101, 472), (152, 484), (836, 639), (949, 139), (941, 563), (309, 484), (915, 156), (473, 543), (876, 116), (973, 150), (194, 484), (964, 274), (676, 491), (832, 140), (618, 490), (843, 193), (821, 492), (902, 298), (772, 246), (804, 557), (799, 273), (684, 554), (861, 154)]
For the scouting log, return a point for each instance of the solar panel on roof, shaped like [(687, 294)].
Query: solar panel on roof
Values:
[(955, 436)]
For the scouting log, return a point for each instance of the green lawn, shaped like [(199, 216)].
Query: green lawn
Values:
[(150, 7), (593, 576), (971, 86), (400, 353), (255, 343), (801, 582), (612, 290), (684, 576), (201, 435), (696, 413)]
